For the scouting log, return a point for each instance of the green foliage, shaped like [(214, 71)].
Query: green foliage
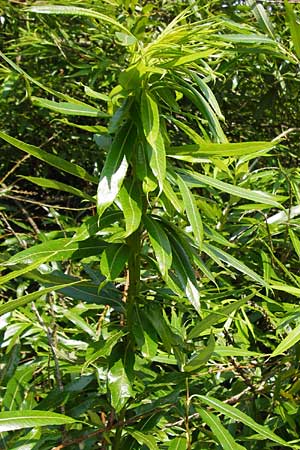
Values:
[(160, 309)]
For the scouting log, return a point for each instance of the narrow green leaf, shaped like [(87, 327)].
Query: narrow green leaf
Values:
[(178, 444), (76, 11), (78, 321), (150, 117), (257, 196), (155, 149), (208, 94), (294, 26), (154, 315), (239, 416), (184, 273), (295, 242), (216, 317), (289, 341), (262, 17), (16, 420), (143, 439), (125, 39), (144, 334), (17, 273), (172, 197), (58, 250), (25, 299), (223, 436), (119, 385), (16, 388), (207, 149), (59, 186), (160, 243), (29, 441), (212, 251), (113, 260), (192, 211), (50, 159), (131, 203), (247, 39), (105, 350), (94, 94), (68, 108), (115, 168), (143, 170), (157, 159), (190, 58), (286, 288), (229, 350), (201, 357)]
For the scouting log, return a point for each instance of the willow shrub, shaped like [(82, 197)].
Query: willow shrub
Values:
[(147, 319)]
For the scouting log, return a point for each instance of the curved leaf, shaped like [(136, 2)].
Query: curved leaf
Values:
[(239, 416), (16, 420)]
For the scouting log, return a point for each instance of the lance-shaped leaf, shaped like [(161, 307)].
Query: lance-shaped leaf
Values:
[(58, 250), (184, 274), (178, 444), (16, 420), (68, 108), (115, 168), (199, 180), (131, 203), (157, 160), (160, 243), (50, 159), (294, 26), (113, 260), (209, 149), (201, 357), (25, 299), (143, 170), (156, 148), (223, 436), (216, 317), (58, 185), (192, 211), (289, 341), (154, 314), (217, 253), (76, 11), (119, 385), (239, 416), (150, 117), (143, 438), (208, 94)]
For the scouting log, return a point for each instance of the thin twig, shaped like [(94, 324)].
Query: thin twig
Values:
[(23, 210), (13, 169), (109, 427), (52, 346), (34, 202), (9, 227)]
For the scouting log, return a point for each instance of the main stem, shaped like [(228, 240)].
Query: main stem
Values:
[(134, 274)]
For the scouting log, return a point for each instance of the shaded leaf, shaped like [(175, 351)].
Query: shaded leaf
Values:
[(143, 438), (113, 260), (223, 436), (50, 159), (160, 243), (119, 385), (239, 416)]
